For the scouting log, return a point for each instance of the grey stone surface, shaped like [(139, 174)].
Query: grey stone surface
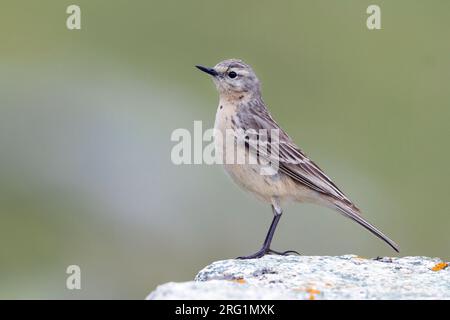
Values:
[(315, 277), (218, 289)]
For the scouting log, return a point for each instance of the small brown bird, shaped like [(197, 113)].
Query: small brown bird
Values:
[(297, 178)]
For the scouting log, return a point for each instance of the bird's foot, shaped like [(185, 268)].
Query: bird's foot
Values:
[(265, 251), (256, 255), (285, 253)]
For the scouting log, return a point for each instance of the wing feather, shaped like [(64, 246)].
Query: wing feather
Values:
[(292, 161)]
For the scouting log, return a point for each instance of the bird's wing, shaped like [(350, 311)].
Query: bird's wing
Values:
[(291, 159)]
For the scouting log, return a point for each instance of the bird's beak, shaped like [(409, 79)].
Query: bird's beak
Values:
[(210, 71)]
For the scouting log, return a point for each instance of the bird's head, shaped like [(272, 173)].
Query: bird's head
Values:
[(233, 77)]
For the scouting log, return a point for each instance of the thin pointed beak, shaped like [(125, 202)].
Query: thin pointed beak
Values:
[(210, 71)]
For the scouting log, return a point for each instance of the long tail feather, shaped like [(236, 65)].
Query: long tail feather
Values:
[(352, 213)]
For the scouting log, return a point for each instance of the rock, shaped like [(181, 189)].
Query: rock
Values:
[(217, 289), (315, 277)]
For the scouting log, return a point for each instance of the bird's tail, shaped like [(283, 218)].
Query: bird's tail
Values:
[(352, 212)]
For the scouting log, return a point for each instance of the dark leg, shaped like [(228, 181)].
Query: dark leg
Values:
[(266, 245)]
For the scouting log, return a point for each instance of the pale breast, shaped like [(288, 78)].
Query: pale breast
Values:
[(225, 113), (248, 176)]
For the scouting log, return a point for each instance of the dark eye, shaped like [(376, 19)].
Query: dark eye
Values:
[(232, 74)]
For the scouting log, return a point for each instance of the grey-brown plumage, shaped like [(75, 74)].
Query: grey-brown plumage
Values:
[(241, 108)]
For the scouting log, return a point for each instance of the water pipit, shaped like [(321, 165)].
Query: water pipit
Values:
[(297, 178)]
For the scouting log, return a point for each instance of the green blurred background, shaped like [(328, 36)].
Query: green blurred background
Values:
[(86, 118)]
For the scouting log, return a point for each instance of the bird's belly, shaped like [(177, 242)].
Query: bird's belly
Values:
[(264, 182), (266, 187), (250, 179), (242, 167), (269, 187), (250, 175)]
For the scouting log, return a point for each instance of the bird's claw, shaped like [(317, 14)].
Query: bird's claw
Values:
[(265, 251), (285, 253), (256, 255)]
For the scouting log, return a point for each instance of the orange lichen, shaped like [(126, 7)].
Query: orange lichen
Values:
[(440, 266), (312, 291), (240, 281)]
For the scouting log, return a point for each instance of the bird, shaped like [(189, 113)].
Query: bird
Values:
[(295, 178)]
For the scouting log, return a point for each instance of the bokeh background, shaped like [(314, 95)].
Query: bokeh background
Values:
[(86, 118)]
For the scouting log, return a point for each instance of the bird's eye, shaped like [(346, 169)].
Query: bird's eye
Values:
[(232, 74)]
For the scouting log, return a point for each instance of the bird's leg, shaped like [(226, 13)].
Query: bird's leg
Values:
[(266, 245), (268, 240)]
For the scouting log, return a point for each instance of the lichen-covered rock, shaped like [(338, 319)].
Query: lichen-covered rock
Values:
[(218, 290), (316, 277)]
